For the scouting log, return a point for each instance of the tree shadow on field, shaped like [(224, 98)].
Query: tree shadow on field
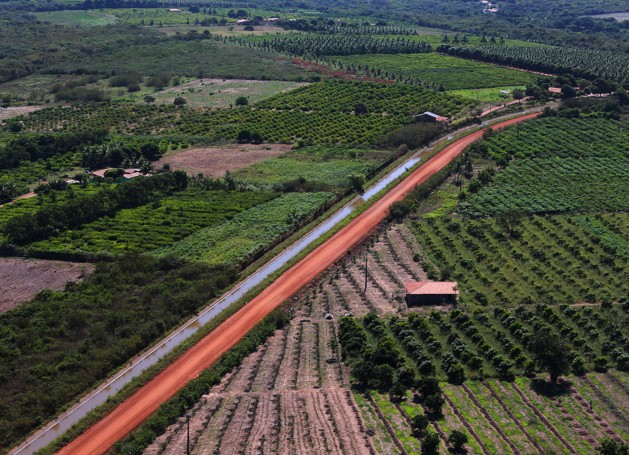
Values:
[(551, 389)]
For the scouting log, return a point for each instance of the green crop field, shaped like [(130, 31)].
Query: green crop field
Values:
[(155, 225), (33, 204), (30, 172), (525, 414), (584, 62), (234, 241), (555, 185), (329, 166), (553, 259), (321, 112), (450, 72), (471, 349), (559, 165)]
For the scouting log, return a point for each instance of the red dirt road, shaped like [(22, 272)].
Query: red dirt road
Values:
[(129, 414)]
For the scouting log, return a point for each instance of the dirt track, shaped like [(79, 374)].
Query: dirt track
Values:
[(104, 434)]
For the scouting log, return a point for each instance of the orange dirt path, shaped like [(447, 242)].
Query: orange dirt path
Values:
[(132, 412)]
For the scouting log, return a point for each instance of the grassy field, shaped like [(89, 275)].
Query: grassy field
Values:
[(35, 88), (453, 73), (492, 95), (324, 165), (80, 18), (218, 93)]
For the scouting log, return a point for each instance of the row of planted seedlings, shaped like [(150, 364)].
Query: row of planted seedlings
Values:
[(490, 254), (378, 364), (456, 346), (408, 353)]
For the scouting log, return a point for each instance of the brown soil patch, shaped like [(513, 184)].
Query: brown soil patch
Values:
[(214, 161), (23, 278), (9, 112)]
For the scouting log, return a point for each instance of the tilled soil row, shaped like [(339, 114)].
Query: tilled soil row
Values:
[(608, 429), (442, 435), (466, 424), (544, 419), (605, 399), (516, 421), (387, 424)]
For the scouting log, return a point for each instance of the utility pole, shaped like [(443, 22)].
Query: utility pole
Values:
[(187, 435), (366, 275)]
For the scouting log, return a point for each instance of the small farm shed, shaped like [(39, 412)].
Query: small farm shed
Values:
[(431, 117), (555, 89), (431, 292)]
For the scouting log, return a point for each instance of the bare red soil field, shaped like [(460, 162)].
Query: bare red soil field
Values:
[(23, 278), (104, 434), (214, 161)]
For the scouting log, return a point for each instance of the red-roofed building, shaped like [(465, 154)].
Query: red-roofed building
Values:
[(431, 292)]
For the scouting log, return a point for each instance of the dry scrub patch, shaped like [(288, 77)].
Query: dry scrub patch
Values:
[(214, 161), (9, 112), (23, 278)]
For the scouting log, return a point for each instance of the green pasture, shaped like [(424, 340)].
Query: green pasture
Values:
[(325, 165), (221, 93), (81, 18), (489, 95)]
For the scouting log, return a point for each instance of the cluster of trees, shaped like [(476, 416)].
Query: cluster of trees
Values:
[(316, 46), (33, 147), (62, 343), (117, 154), (8, 190), (324, 25), (589, 64), (79, 210), (382, 367)]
